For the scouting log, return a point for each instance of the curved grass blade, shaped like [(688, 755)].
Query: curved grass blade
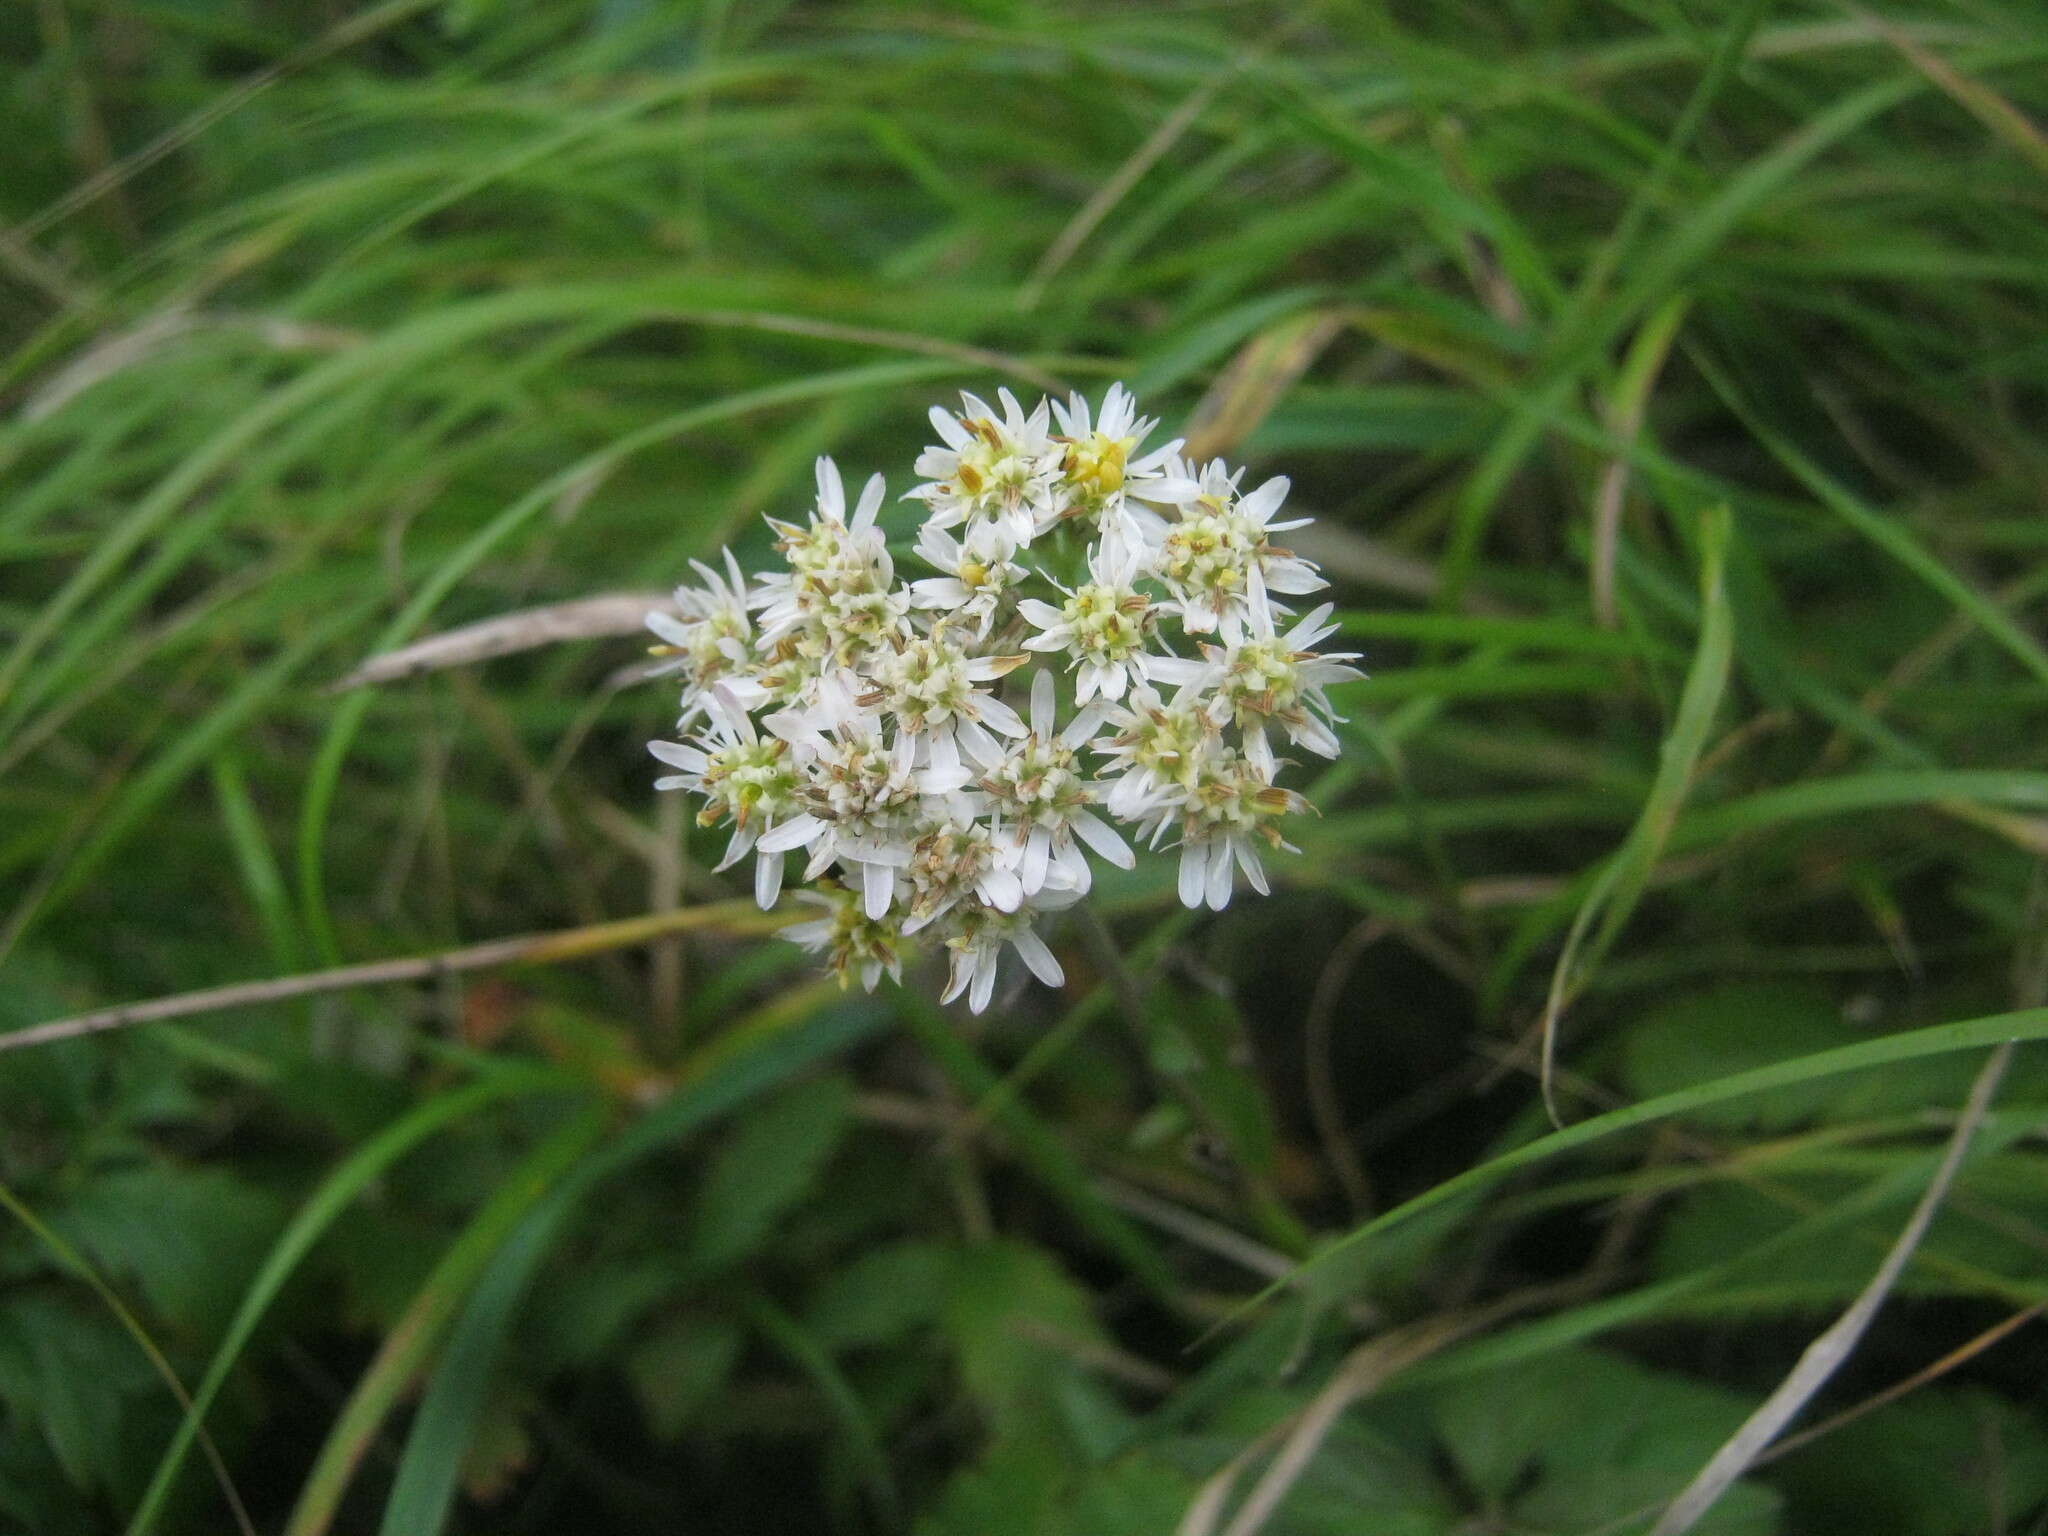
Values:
[(1911, 1045), (77, 1263), (424, 1491), (1886, 533), (367, 1163), (1620, 884), (414, 1336)]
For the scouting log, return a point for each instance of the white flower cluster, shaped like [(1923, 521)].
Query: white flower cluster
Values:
[(835, 711)]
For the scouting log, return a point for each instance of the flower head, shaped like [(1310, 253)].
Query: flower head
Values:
[(709, 636), (839, 571), (1038, 790), (992, 468), (1229, 804), (1104, 626), (874, 726), (852, 942), (1100, 466), (1215, 560), (1270, 679), (978, 576), (976, 944), (744, 779)]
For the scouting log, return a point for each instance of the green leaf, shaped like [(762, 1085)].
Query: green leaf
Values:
[(770, 1162), (326, 1203), (428, 1471), (1013, 1490), (187, 1236), (881, 1296), (1586, 1439), (1696, 1037), (1009, 1309), (1942, 1462), (406, 1347), (679, 1369), (78, 1372)]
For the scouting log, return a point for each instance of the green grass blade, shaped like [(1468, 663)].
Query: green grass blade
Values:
[(361, 1168), (424, 1492), (1910, 1045), (413, 1338), (1621, 882)]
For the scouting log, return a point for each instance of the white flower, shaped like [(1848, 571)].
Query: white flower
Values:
[(992, 470), (928, 684), (1098, 476), (852, 942), (1153, 751), (743, 778), (1228, 802), (709, 637), (891, 756), (979, 941), (1038, 792), (980, 574), (862, 797), (1269, 678), (834, 563), (957, 860), (1207, 559), (1103, 625)]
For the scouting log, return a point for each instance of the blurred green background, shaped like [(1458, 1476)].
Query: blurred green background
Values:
[(1669, 379)]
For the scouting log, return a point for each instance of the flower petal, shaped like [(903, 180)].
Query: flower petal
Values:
[(1038, 958)]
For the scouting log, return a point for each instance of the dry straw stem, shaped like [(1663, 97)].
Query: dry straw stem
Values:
[(1257, 377), (589, 618), (733, 917), (1825, 1354), (1960, 1355), (1364, 1371)]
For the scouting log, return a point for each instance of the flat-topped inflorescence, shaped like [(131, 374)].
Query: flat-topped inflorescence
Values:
[(875, 725)]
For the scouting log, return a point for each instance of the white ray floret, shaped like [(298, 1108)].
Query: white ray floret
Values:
[(991, 467)]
